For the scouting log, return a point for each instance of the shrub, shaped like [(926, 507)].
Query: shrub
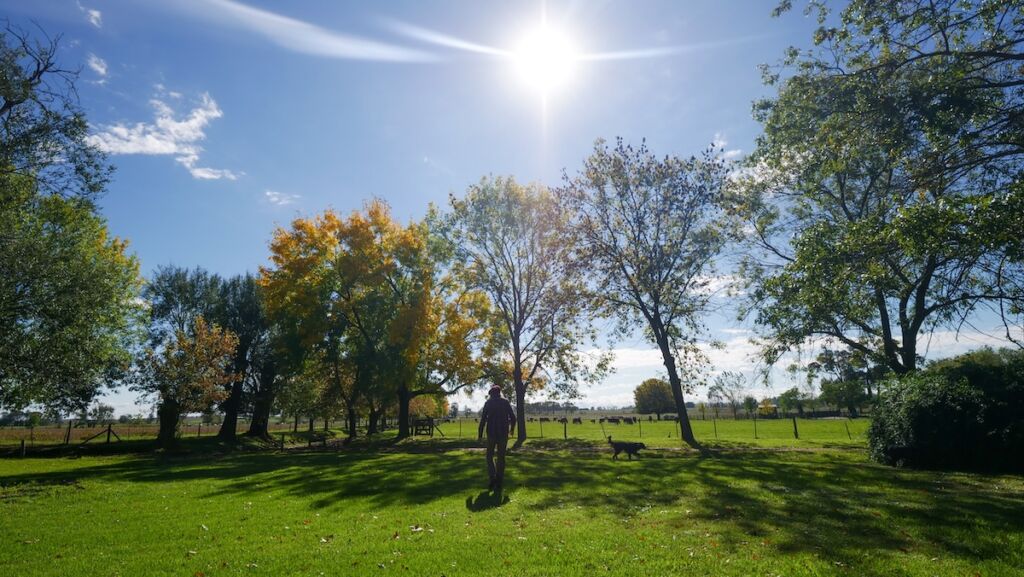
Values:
[(960, 413)]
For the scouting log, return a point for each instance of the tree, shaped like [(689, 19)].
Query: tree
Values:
[(730, 386), (187, 374), (654, 396), (239, 308), (880, 195), (843, 394), (650, 231), (102, 413), (792, 399), (514, 243), (43, 132), (352, 295), (68, 294), (749, 405), (67, 288)]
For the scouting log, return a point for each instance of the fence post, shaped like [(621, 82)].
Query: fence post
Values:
[(67, 436), (641, 423), (108, 433), (541, 428), (23, 447), (714, 423), (460, 428), (796, 434), (847, 425), (565, 430), (755, 427)]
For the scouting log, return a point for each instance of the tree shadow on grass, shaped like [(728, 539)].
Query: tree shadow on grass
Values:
[(834, 505)]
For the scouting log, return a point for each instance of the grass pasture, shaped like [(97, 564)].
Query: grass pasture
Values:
[(418, 508)]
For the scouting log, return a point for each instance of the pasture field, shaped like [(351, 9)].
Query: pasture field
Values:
[(418, 508), (770, 432)]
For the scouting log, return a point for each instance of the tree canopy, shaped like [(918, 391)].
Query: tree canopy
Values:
[(889, 164)]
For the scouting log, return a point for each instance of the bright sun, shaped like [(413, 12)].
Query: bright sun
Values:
[(545, 59)]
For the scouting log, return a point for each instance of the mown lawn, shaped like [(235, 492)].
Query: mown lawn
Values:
[(417, 508)]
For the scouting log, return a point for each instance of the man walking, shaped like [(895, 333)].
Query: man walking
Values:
[(500, 421)]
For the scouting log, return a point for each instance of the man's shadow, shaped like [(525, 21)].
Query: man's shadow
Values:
[(486, 500)]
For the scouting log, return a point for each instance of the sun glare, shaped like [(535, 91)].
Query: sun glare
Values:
[(544, 59)]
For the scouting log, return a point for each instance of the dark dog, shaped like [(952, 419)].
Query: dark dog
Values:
[(630, 448)]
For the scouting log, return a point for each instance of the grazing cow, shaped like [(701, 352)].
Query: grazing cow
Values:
[(545, 419), (614, 420), (563, 420), (595, 420), (578, 421)]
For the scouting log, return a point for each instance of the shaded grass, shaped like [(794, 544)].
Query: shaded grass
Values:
[(418, 508)]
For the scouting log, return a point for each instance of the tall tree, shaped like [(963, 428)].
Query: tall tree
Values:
[(880, 196), (43, 131), (352, 291), (515, 244), (650, 231), (654, 396), (68, 295), (187, 374), (67, 287), (239, 309)]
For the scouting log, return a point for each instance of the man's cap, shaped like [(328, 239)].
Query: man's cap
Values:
[(495, 389)]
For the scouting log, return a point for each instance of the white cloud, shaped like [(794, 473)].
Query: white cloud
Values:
[(97, 64), (95, 17), (719, 141), (300, 36), (280, 198), (167, 135)]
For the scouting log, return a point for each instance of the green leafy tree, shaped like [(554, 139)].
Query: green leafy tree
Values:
[(654, 396), (102, 413), (650, 230), (514, 243), (881, 196), (43, 131), (749, 406), (67, 287), (68, 293), (792, 399), (847, 395)]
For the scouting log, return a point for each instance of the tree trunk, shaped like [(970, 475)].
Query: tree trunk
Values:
[(295, 428), (353, 421), (371, 423), (404, 397), (230, 424), (677, 392), (517, 375), (169, 412), (312, 423), (327, 423), (262, 403)]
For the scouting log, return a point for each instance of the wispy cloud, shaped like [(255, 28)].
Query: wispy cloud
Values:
[(98, 65), (300, 36), (280, 198), (720, 142), (95, 17), (167, 135)]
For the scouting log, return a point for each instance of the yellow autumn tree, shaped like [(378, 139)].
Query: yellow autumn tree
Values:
[(368, 298)]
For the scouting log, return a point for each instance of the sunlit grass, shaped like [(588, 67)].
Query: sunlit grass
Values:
[(418, 508)]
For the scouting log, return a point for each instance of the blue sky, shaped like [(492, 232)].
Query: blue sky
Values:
[(226, 119)]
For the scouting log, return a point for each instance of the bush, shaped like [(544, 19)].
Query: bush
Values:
[(962, 413)]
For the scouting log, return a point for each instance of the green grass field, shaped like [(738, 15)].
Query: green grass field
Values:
[(418, 508)]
